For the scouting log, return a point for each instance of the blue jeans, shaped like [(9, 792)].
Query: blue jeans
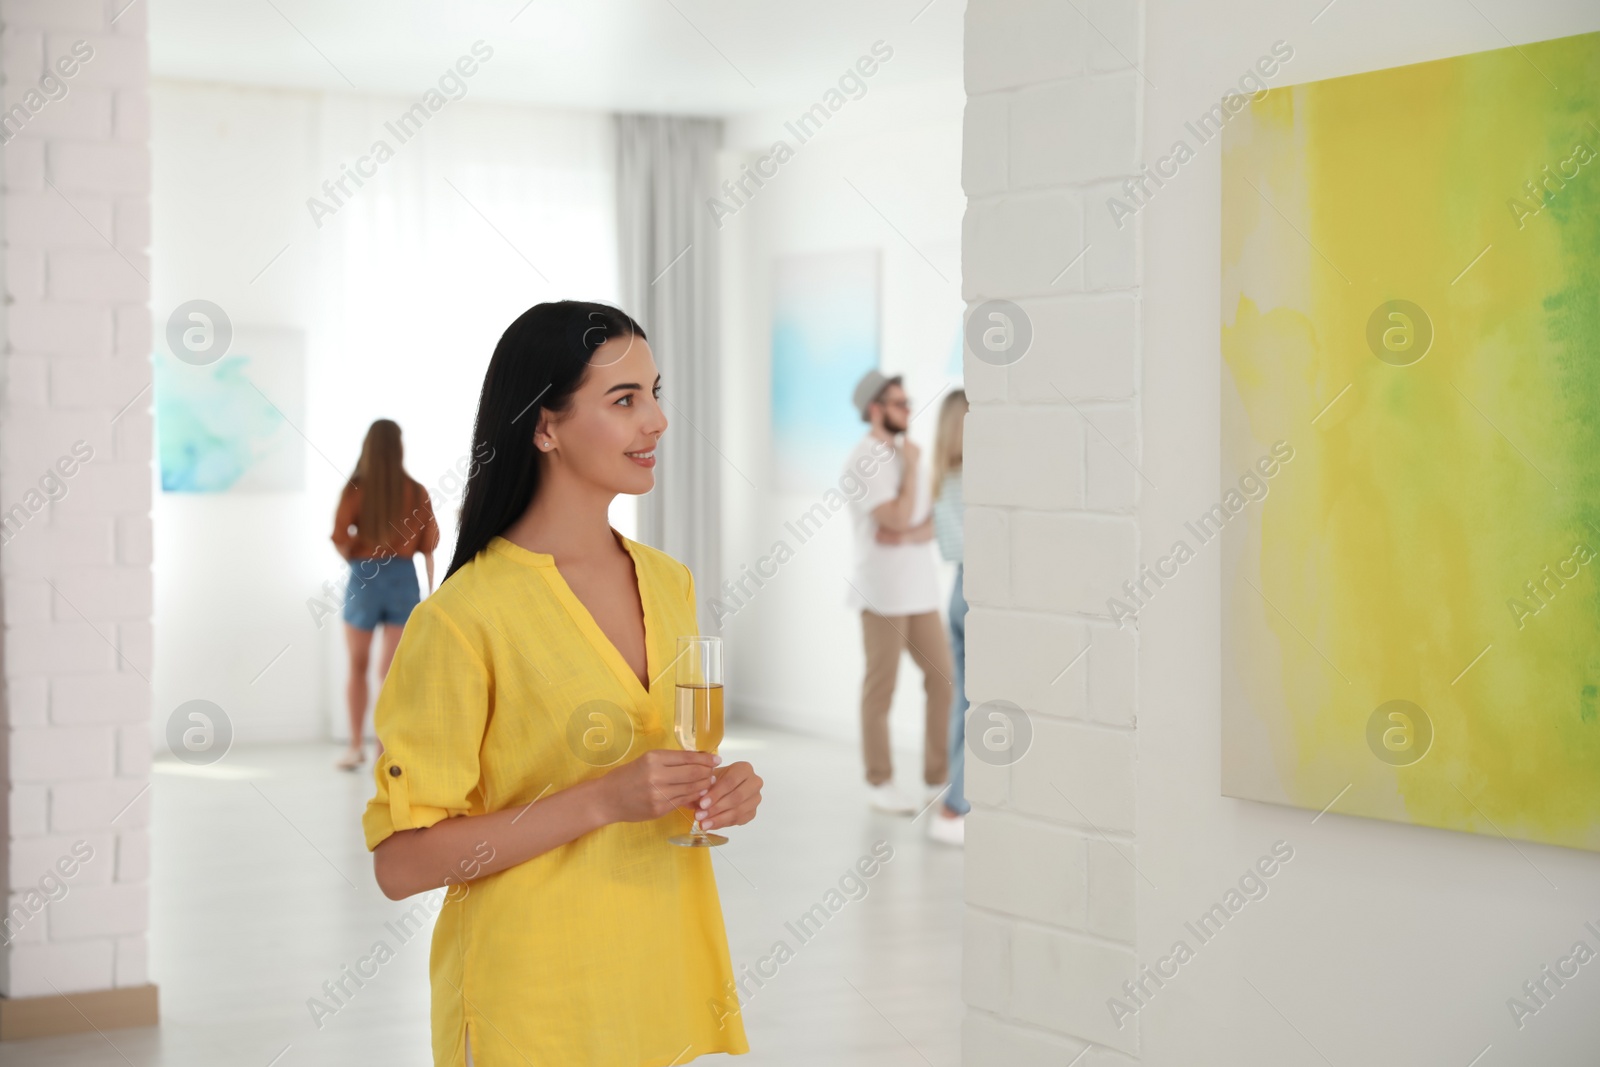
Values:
[(956, 798), (381, 591)]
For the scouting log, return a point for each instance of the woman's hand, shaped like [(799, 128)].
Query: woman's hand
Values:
[(733, 800), (658, 781)]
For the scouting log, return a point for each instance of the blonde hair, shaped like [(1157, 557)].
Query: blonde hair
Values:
[(947, 438)]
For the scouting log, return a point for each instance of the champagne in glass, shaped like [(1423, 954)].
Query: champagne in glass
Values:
[(697, 714), (698, 722)]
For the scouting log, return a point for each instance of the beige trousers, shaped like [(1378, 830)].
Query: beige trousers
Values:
[(885, 637)]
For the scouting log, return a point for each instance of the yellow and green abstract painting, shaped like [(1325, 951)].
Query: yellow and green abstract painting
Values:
[(1411, 304)]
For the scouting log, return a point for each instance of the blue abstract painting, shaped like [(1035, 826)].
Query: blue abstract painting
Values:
[(825, 336), (230, 426)]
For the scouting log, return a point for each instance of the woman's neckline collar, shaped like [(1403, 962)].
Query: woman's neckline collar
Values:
[(510, 549)]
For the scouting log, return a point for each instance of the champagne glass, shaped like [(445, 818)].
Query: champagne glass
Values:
[(697, 714)]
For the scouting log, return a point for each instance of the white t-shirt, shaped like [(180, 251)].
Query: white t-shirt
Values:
[(888, 579)]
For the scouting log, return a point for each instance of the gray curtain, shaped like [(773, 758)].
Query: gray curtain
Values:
[(665, 174)]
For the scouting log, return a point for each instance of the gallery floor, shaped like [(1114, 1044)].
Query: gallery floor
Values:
[(262, 891)]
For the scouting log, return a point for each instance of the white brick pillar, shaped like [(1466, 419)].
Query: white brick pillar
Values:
[(75, 485), (1052, 490)]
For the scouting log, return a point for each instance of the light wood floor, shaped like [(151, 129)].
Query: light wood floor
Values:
[(262, 890)]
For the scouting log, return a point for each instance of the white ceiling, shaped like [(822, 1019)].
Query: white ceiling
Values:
[(713, 57)]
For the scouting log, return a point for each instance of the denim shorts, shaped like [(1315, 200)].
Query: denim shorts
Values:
[(381, 591)]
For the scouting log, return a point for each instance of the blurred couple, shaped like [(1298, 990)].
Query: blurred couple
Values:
[(895, 587)]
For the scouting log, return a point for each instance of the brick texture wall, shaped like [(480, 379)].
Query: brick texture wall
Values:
[(75, 486), (1052, 449)]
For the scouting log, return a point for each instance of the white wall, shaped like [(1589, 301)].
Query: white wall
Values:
[(1378, 943), (1381, 943), (401, 296), (1052, 121), (75, 569), (794, 650)]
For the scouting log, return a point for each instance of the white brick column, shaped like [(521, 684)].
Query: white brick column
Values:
[(75, 485), (1052, 490)]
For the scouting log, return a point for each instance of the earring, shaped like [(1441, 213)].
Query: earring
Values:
[(545, 445)]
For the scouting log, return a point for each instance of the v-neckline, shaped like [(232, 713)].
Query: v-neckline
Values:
[(597, 636)]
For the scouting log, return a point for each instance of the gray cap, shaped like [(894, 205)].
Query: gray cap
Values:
[(870, 388)]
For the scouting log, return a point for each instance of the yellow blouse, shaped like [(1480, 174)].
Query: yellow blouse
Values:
[(609, 950)]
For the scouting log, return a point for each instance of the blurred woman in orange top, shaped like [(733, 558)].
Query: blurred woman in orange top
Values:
[(384, 518)]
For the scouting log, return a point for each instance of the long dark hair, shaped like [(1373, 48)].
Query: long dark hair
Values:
[(537, 366), (381, 476)]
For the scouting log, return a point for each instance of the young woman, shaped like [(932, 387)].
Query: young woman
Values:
[(527, 722), (383, 519), (947, 520)]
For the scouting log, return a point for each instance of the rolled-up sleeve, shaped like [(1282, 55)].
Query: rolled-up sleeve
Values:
[(430, 718)]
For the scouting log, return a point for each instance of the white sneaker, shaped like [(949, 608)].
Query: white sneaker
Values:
[(888, 797), (948, 831)]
